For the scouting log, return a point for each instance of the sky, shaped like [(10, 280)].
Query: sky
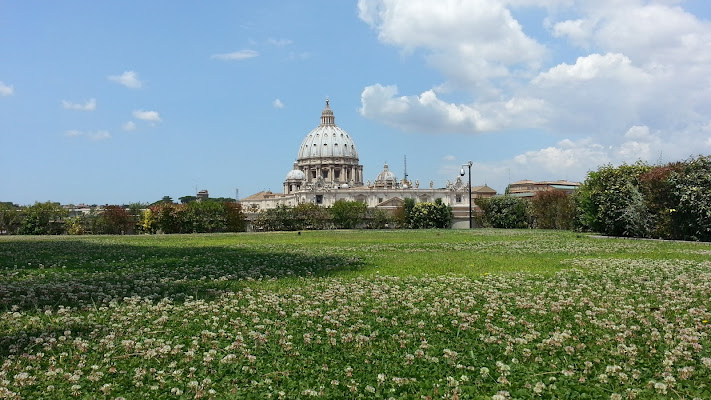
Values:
[(114, 102)]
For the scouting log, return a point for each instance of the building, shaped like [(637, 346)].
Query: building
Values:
[(327, 169), (527, 188)]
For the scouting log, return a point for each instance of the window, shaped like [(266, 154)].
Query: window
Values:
[(313, 174), (459, 198), (337, 174), (319, 199)]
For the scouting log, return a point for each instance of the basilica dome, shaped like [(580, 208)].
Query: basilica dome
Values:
[(327, 141), (327, 159)]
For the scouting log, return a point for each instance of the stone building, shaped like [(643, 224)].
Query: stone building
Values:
[(327, 169)]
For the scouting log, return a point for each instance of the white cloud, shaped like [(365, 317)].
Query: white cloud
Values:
[(99, 135), (6, 90), (128, 79), (73, 133), (280, 42), (449, 158), (129, 126), (151, 116), (634, 86), (278, 104), (428, 113), (90, 105), (470, 42), (237, 55), (93, 136)]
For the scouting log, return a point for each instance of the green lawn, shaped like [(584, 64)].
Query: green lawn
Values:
[(355, 314)]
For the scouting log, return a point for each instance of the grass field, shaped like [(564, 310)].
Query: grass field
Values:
[(482, 314)]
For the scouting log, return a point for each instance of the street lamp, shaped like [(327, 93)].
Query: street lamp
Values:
[(461, 173)]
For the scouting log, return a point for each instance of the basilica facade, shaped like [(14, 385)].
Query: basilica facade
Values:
[(327, 169)]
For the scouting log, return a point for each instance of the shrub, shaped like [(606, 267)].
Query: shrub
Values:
[(609, 201), (553, 209), (431, 215), (348, 214), (504, 212), (43, 219)]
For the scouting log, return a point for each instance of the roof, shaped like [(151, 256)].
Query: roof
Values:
[(483, 189), (263, 195)]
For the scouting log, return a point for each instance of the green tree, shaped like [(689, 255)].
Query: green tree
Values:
[(610, 201), (553, 209), (187, 199), (348, 214), (692, 191), (504, 212), (9, 218), (431, 215), (235, 220), (311, 216), (115, 220), (43, 219)]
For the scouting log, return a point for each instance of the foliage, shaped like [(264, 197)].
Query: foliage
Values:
[(280, 218), (235, 220), (504, 212), (671, 201), (348, 214), (43, 219), (403, 214), (378, 219), (692, 191), (194, 217), (115, 220), (222, 316), (610, 203), (9, 218), (431, 215), (310, 216), (553, 209), (75, 225)]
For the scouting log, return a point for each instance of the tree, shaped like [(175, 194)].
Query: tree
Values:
[(348, 214), (187, 199), (610, 202), (235, 220), (311, 216), (9, 218), (553, 209), (43, 219), (504, 212), (115, 220), (431, 215), (165, 199), (403, 214)]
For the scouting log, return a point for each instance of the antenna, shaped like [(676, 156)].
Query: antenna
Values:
[(406, 168), (237, 194)]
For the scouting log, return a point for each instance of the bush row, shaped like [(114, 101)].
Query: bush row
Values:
[(50, 218), (671, 201), (353, 214)]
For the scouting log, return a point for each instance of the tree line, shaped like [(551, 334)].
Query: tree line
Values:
[(346, 214), (50, 218), (668, 201)]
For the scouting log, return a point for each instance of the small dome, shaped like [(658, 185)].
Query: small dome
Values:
[(386, 176), (295, 174), (344, 186)]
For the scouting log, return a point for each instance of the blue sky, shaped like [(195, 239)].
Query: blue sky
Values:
[(116, 102)]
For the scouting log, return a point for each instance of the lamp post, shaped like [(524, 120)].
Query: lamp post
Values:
[(461, 173)]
